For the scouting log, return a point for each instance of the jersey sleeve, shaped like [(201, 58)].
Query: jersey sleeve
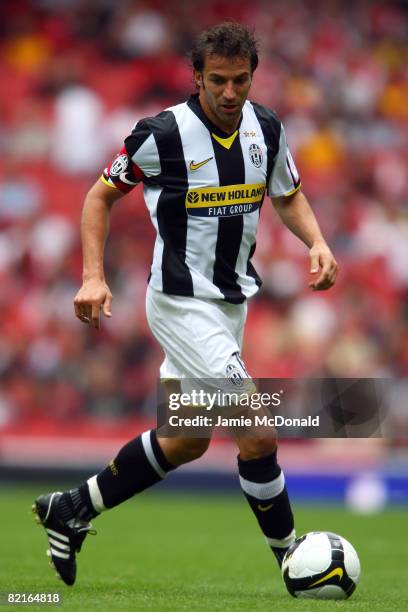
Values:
[(137, 160), (284, 178)]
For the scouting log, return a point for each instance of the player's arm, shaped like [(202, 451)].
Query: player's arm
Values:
[(95, 294), (137, 159), (119, 178), (297, 215)]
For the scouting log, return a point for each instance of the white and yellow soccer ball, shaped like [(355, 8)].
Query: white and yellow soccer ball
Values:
[(321, 565)]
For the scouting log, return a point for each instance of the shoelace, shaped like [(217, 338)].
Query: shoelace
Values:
[(80, 526)]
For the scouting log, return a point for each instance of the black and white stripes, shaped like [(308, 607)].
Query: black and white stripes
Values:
[(149, 441), (59, 544), (263, 490), (95, 494), (204, 189)]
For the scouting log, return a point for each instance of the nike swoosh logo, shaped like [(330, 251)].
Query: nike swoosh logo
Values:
[(194, 166), (264, 508), (336, 572)]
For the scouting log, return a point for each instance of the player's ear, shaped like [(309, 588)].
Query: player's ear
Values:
[(198, 79)]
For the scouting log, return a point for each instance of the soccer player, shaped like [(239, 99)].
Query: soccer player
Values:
[(205, 165)]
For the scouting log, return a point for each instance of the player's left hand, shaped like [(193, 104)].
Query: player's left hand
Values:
[(321, 258)]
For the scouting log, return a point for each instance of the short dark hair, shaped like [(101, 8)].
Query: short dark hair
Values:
[(228, 39)]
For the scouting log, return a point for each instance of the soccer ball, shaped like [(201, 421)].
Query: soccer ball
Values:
[(321, 565)]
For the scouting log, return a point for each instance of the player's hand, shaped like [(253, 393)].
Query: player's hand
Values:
[(322, 259), (93, 296)]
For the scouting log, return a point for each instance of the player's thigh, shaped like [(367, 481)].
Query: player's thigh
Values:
[(201, 338)]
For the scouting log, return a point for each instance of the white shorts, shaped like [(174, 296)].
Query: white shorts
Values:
[(201, 338)]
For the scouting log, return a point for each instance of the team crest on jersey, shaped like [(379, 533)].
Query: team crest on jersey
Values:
[(255, 155), (119, 165)]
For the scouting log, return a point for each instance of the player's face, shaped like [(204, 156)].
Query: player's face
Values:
[(224, 85)]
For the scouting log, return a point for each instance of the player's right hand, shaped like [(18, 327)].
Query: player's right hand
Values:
[(93, 296)]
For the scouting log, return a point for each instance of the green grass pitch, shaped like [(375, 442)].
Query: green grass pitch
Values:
[(164, 551)]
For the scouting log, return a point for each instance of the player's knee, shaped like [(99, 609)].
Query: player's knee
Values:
[(255, 448), (183, 450), (264, 446), (193, 448)]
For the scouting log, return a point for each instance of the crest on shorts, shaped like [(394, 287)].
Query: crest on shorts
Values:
[(255, 155), (234, 374), (119, 165)]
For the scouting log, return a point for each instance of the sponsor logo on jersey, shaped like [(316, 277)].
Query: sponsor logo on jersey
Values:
[(224, 201), (255, 155), (193, 197), (119, 165), (198, 165)]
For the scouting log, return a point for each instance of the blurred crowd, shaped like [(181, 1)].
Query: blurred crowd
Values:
[(77, 74)]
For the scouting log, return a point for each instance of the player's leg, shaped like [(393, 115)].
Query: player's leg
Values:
[(261, 477), (140, 464), (263, 483)]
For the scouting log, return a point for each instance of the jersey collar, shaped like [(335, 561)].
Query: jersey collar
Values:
[(194, 104)]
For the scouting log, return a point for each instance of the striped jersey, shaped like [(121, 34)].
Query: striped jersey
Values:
[(204, 190)]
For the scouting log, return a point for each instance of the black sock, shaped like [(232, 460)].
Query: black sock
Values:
[(77, 504), (263, 484), (139, 465)]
